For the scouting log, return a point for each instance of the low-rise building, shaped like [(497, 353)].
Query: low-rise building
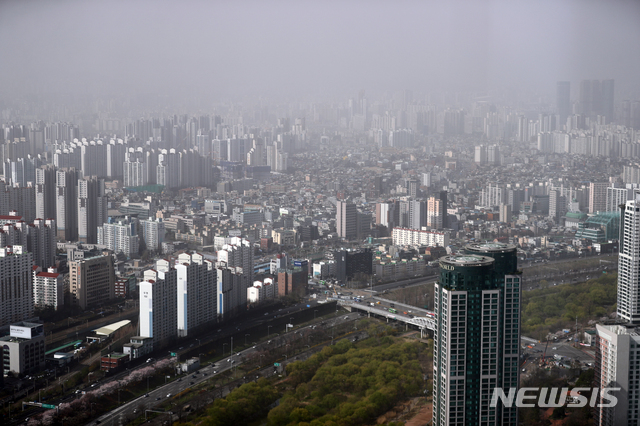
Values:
[(23, 349), (114, 361)]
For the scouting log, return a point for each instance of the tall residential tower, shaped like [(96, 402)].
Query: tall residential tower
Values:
[(477, 304)]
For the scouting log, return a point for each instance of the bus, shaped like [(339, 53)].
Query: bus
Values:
[(393, 311)]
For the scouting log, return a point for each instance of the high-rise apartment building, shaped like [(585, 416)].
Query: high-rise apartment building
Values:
[(153, 232), (197, 292), (16, 284), (66, 204), (618, 365), (617, 196), (91, 280), (629, 261), (41, 241), (46, 192), (159, 306), (597, 196), (557, 205), (477, 304), (48, 288), (134, 169), (346, 220), (92, 209), (231, 291), (120, 236)]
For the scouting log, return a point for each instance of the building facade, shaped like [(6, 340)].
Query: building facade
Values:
[(629, 261), (92, 280), (48, 288), (197, 291), (618, 365), (477, 305), (158, 306), (16, 284)]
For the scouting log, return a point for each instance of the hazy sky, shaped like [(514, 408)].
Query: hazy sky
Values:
[(311, 48)]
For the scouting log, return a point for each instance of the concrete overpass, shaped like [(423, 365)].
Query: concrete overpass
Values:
[(420, 319)]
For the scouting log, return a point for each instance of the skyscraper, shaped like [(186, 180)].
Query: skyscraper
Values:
[(346, 220), (629, 261), (46, 192), (66, 204), (598, 196), (158, 306), (197, 291), (477, 304), (563, 102), (92, 209), (16, 282), (618, 365)]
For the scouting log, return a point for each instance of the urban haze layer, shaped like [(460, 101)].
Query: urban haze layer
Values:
[(195, 194)]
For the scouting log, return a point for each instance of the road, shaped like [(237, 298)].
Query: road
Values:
[(162, 394)]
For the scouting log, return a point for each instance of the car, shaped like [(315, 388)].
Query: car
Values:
[(158, 398), (168, 395), (135, 411), (266, 313), (219, 330), (194, 376), (554, 348), (254, 347), (215, 371), (192, 383), (191, 345), (181, 348), (146, 395), (180, 379), (524, 370), (204, 374)]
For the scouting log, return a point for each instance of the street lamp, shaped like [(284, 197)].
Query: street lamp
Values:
[(199, 357), (198, 342), (268, 327), (261, 360), (245, 339), (314, 313)]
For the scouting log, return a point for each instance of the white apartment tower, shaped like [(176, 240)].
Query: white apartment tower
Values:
[(618, 365), (153, 233), (197, 292), (48, 288), (16, 284), (120, 237), (158, 306), (629, 261)]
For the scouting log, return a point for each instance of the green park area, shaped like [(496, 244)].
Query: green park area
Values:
[(555, 308), (344, 384)]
